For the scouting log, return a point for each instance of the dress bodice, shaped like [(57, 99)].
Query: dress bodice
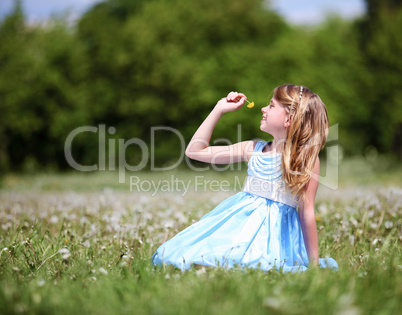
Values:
[(264, 177), (265, 166)]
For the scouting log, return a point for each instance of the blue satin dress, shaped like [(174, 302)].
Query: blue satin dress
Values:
[(258, 227)]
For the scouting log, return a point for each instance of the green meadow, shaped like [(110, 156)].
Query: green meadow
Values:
[(82, 243)]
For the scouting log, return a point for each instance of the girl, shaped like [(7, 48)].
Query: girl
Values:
[(260, 227)]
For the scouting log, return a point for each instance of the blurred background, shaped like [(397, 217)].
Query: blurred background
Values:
[(134, 64)]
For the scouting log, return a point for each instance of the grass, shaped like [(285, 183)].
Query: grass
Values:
[(111, 233)]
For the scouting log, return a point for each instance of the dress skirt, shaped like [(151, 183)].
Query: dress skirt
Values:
[(244, 230)]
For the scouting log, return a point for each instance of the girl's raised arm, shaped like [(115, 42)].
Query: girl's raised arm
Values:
[(199, 148), (307, 216)]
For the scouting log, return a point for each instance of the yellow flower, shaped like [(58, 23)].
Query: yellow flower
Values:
[(250, 105), (317, 218), (66, 241)]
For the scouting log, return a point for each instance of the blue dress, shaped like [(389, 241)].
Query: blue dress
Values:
[(258, 227)]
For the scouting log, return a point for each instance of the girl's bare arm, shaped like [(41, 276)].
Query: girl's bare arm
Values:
[(199, 148), (307, 216)]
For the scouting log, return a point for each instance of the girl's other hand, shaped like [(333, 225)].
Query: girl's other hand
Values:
[(231, 103)]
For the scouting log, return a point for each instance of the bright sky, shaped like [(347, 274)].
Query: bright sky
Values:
[(315, 11), (295, 11)]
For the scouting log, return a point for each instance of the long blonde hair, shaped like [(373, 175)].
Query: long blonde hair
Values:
[(306, 135)]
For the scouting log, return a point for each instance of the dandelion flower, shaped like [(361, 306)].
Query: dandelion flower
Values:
[(103, 271), (250, 105), (65, 253), (272, 302), (388, 224)]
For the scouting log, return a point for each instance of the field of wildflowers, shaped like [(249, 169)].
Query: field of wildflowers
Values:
[(67, 249)]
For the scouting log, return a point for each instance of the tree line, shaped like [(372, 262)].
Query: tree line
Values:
[(133, 65)]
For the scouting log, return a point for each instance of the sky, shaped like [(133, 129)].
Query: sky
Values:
[(295, 11)]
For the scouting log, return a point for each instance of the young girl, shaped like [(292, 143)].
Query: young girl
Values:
[(260, 227)]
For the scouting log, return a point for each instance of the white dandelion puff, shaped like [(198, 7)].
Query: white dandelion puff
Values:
[(103, 271), (53, 219), (388, 224), (272, 302), (65, 253)]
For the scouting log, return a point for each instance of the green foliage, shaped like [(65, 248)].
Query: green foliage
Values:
[(381, 43), (137, 64), (42, 90)]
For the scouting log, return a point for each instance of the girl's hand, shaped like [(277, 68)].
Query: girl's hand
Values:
[(232, 102)]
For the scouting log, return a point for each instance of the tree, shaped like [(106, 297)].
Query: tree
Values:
[(381, 44)]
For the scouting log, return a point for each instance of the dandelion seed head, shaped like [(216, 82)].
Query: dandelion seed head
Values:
[(103, 271), (388, 224), (272, 302), (65, 253), (54, 219)]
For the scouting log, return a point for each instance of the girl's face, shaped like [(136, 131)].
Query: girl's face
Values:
[(275, 119)]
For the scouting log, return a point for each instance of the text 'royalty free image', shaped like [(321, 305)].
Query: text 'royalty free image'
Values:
[(176, 185)]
